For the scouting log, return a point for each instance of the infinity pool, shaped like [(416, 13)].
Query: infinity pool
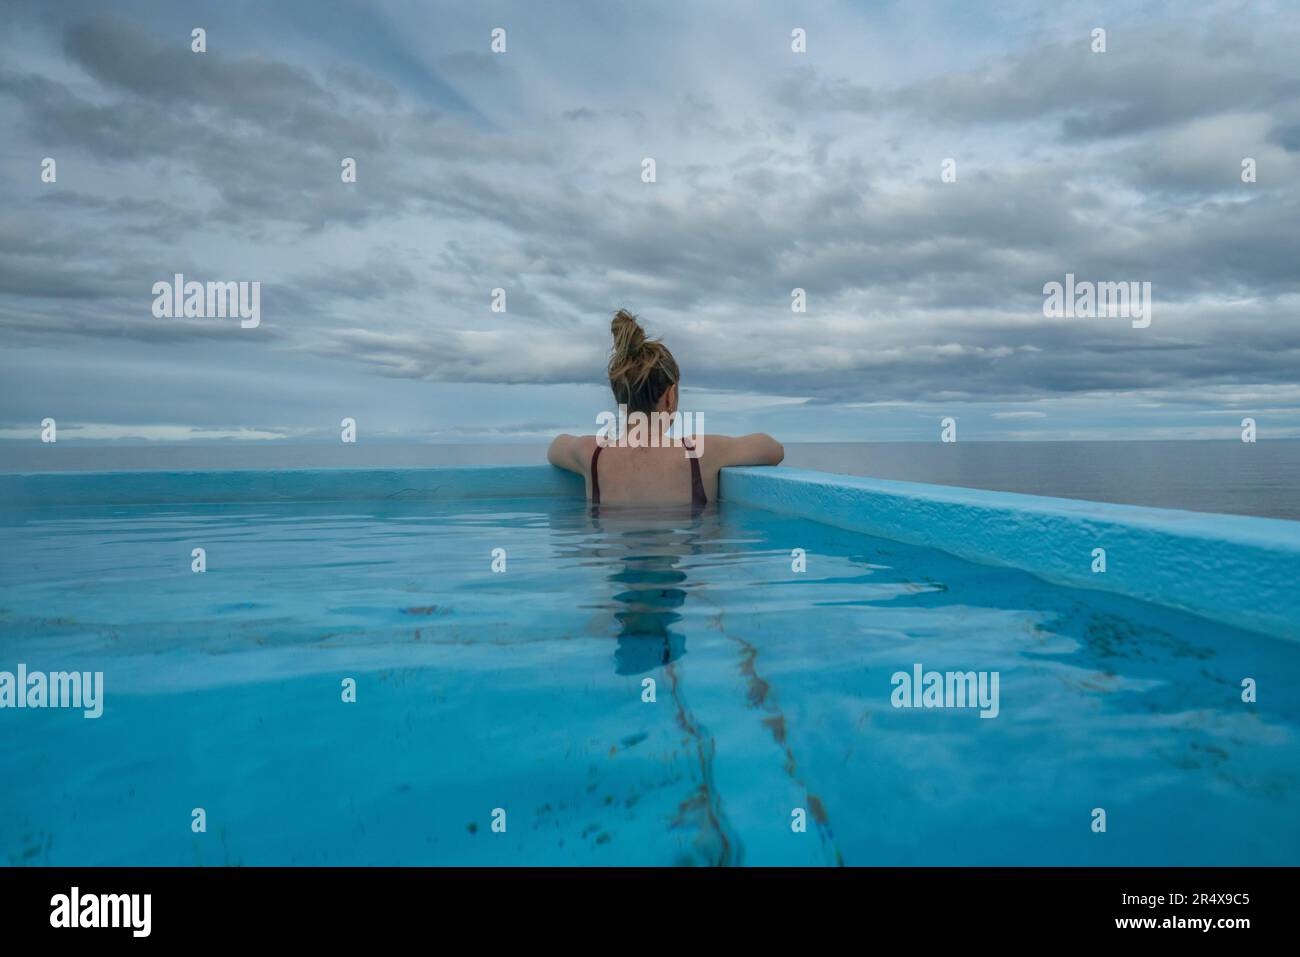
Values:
[(521, 690)]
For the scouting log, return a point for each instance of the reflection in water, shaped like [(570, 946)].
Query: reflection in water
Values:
[(645, 636), (650, 547), (655, 561), (649, 552)]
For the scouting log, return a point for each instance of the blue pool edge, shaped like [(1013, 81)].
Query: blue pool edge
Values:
[(1235, 569)]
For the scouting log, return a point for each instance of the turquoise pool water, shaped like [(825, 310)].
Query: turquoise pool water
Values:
[(522, 690)]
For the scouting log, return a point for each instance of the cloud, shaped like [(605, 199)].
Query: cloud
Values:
[(522, 172)]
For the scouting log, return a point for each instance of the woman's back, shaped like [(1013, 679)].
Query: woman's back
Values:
[(650, 476)]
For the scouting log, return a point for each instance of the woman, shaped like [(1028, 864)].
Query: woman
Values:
[(647, 466)]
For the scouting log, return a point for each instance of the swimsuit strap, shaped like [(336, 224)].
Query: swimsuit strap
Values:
[(595, 480), (698, 498)]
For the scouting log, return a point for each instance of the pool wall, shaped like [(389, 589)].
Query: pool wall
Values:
[(287, 485), (1235, 569)]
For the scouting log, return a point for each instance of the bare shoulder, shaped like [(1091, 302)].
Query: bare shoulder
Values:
[(714, 446), (583, 446)]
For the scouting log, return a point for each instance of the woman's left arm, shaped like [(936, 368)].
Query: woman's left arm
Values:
[(563, 453)]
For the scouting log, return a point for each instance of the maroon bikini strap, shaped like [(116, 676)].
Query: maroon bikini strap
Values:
[(595, 481), (698, 498)]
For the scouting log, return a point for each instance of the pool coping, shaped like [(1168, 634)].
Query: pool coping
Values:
[(1235, 569), (1239, 570)]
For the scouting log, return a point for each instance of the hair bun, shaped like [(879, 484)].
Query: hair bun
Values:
[(629, 337), (640, 369)]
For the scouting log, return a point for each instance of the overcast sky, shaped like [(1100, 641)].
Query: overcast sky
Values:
[(775, 170)]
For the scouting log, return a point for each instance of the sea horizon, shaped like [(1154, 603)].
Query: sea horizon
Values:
[(1202, 475)]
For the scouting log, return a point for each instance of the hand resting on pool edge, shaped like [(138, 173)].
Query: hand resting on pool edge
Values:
[(639, 458)]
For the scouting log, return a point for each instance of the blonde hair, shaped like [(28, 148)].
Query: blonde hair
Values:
[(640, 369)]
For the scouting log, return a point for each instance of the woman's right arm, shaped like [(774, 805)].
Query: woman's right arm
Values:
[(757, 449)]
